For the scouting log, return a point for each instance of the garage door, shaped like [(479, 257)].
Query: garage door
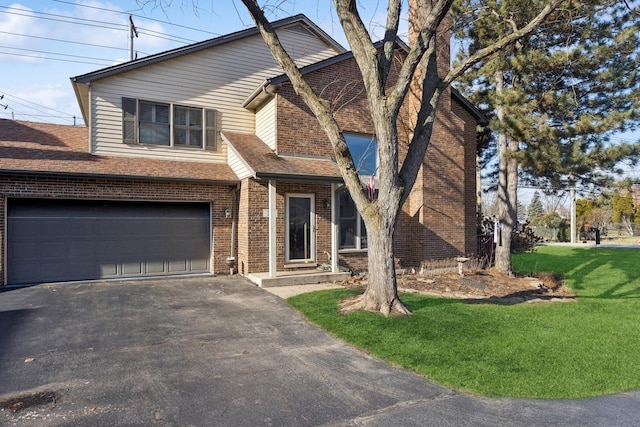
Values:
[(61, 240)]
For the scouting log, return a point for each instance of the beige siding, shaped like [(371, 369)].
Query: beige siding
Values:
[(266, 123), (220, 78), (237, 165)]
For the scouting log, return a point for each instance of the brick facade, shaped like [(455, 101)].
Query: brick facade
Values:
[(253, 226), (220, 197), (438, 220)]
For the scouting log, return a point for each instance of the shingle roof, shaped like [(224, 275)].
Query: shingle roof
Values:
[(41, 148), (267, 164)]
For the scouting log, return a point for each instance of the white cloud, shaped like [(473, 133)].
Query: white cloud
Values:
[(16, 24)]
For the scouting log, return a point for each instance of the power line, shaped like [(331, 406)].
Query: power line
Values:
[(34, 103), (63, 41), (139, 16), (52, 59), (158, 35), (54, 53), (66, 19)]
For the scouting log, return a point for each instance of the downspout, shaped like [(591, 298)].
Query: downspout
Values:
[(234, 226)]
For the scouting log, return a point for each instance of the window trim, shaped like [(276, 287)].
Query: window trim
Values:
[(131, 125)]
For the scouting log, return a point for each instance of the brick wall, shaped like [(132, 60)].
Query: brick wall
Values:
[(220, 196), (438, 219)]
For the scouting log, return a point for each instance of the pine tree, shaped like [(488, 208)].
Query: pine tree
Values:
[(535, 209), (556, 96)]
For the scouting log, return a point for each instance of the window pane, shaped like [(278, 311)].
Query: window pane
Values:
[(154, 134), (180, 136), (146, 112), (347, 207), (162, 113), (347, 233), (195, 117), (364, 152), (195, 138), (180, 116), (363, 235)]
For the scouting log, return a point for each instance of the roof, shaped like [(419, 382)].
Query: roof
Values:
[(48, 149), (268, 87), (207, 44), (80, 83), (266, 164)]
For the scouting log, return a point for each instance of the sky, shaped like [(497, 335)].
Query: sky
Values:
[(43, 43)]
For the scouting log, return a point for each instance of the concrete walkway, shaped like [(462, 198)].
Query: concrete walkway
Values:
[(221, 352)]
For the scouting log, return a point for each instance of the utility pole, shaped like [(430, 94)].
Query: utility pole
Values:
[(132, 32)]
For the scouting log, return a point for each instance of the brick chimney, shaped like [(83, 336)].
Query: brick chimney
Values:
[(443, 43)]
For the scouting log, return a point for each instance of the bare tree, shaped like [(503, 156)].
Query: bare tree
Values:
[(385, 101), (418, 77)]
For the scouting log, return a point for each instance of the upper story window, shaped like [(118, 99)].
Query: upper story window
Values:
[(156, 123), (364, 150)]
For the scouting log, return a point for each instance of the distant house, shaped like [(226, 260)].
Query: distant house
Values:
[(202, 156)]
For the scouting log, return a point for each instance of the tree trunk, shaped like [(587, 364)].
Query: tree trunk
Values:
[(381, 295), (507, 188)]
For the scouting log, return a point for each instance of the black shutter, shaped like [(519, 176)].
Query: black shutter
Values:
[(211, 130), (129, 121)]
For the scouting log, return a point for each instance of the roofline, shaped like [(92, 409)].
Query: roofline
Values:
[(113, 176), (278, 80), (268, 86), (467, 105), (195, 47), (299, 177)]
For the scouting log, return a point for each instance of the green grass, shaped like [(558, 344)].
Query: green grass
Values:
[(546, 350)]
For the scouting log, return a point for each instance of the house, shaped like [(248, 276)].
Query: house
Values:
[(203, 158)]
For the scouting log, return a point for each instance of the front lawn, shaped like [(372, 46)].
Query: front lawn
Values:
[(547, 350)]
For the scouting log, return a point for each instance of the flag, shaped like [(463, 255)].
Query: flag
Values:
[(371, 188)]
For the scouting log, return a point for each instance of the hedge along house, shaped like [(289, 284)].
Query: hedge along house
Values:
[(204, 152)]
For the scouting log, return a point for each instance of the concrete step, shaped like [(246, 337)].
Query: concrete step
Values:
[(295, 278)]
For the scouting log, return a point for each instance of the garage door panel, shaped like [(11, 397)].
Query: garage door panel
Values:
[(155, 268), (178, 266), (108, 270), (78, 240), (132, 268), (199, 265)]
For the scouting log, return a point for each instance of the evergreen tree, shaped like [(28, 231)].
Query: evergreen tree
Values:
[(556, 96), (535, 210)]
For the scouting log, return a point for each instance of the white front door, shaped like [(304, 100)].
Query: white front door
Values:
[(301, 228)]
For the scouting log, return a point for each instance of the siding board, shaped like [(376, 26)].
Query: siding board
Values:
[(220, 78), (266, 123)]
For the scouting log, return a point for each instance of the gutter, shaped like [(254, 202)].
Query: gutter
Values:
[(23, 172)]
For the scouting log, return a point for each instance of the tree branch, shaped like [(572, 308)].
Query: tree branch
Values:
[(320, 107), (503, 42)]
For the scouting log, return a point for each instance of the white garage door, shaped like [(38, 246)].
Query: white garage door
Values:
[(62, 240)]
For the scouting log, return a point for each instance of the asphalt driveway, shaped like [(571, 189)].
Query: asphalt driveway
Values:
[(215, 351)]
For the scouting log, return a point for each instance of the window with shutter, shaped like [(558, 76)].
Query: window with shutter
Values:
[(147, 122)]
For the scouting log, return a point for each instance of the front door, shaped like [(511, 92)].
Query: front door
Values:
[(300, 231)]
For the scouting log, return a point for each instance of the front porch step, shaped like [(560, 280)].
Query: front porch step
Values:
[(296, 278)]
